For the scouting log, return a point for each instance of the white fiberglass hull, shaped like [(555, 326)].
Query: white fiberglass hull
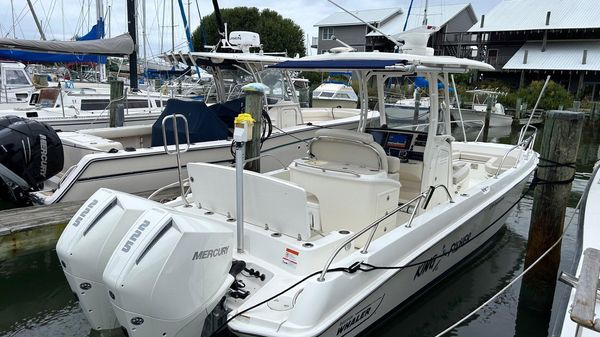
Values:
[(406, 115), (333, 103), (496, 120), (75, 122), (148, 169), (347, 304)]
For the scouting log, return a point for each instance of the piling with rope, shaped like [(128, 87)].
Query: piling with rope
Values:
[(552, 181), (254, 106)]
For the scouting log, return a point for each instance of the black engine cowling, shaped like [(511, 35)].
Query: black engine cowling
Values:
[(30, 153)]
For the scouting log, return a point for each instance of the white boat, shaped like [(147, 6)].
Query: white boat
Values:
[(582, 306), (479, 107), (85, 108), (16, 87), (334, 94), (125, 159), (325, 247), (403, 111)]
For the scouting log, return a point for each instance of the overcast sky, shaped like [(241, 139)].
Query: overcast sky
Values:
[(62, 19)]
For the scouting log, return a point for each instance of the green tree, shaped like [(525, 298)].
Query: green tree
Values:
[(277, 34), (554, 96)]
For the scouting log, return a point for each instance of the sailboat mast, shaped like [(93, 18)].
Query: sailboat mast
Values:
[(172, 27), (100, 18), (425, 13), (35, 19), (133, 81), (12, 9), (144, 34)]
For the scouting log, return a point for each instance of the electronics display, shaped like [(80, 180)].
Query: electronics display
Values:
[(404, 144)]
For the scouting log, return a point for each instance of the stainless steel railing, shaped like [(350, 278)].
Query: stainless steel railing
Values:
[(177, 152), (375, 224)]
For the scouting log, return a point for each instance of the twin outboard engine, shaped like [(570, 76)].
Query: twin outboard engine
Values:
[(87, 244), (30, 153), (168, 273), (145, 267)]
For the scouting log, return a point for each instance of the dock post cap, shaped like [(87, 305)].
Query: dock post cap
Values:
[(255, 88), (564, 114)]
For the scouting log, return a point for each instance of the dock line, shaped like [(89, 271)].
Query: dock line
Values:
[(450, 328)]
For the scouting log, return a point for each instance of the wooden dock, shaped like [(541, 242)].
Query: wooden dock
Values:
[(36, 228)]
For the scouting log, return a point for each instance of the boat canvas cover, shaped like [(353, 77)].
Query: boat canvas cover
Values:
[(205, 123), (116, 46), (97, 32)]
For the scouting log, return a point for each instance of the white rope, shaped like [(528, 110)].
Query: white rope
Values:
[(515, 279)]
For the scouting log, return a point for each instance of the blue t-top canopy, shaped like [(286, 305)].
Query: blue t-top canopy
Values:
[(337, 64)]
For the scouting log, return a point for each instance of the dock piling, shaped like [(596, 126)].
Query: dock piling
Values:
[(116, 96), (417, 107), (254, 106), (552, 180), (486, 124)]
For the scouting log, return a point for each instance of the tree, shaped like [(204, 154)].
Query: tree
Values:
[(277, 34)]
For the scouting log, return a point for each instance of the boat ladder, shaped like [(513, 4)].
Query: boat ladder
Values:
[(587, 290)]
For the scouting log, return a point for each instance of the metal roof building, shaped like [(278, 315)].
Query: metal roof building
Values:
[(451, 19), (511, 15), (529, 39), (558, 56), (372, 16)]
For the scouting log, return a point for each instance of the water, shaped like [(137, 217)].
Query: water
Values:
[(35, 299)]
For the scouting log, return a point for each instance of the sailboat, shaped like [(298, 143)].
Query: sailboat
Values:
[(326, 246)]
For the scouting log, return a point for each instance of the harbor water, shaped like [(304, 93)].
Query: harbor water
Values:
[(35, 299)]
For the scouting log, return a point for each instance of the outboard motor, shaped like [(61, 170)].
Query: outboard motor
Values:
[(87, 244), (168, 273), (30, 153)]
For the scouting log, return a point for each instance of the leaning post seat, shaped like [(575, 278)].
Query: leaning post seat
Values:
[(347, 172)]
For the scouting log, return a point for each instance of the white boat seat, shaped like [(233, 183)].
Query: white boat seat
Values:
[(350, 147), (492, 165), (460, 171)]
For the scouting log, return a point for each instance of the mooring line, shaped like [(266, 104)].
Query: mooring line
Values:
[(518, 277)]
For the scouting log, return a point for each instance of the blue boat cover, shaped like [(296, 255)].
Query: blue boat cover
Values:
[(337, 64), (205, 123), (97, 32)]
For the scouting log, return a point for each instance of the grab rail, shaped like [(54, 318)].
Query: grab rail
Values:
[(177, 151), (529, 141), (345, 140), (375, 224)]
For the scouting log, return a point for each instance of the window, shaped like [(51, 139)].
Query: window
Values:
[(326, 94), (16, 77), (327, 33), (341, 95)]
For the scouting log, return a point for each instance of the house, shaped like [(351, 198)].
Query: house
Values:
[(530, 39), (452, 20), (348, 29)]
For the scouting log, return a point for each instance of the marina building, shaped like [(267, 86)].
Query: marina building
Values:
[(453, 20), (529, 39)]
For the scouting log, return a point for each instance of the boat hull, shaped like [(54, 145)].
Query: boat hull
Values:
[(404, 284), (496, 120), (333, 103), (150, 169)]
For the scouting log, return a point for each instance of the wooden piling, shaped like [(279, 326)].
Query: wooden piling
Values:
[(417, 107), (560, 143), (116, 95), (558, 154), (486, 124), (254, 106), (518, 109)]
